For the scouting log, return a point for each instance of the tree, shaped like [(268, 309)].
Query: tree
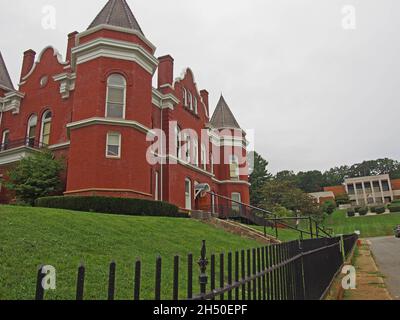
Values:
[(329, 207), (36, 176), (287, 176), (283, 193), (310, 181), (336, 176), (258, 178)]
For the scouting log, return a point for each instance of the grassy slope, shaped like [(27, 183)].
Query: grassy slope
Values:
[(33, 236), (370, 226)]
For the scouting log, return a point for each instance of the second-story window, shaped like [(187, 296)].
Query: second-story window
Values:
[(116, 97), (5, 140), (46, 128), (113, 149), (185, 97), (195, 105), (196, 153), (203, 156), (31, 133), (234, 167), (190, 101)]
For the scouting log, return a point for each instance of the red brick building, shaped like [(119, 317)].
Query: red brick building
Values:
[(99, 110)]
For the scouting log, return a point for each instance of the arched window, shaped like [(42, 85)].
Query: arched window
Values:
[(188, 194), (195, 105), (203, 156), (234, 167), (31, 131), (5, 140), (196, 153), (187, 147), (185, 97), (178, 151), (46, 128), (116, 96), (190, 101)]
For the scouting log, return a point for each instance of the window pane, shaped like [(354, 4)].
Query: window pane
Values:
[(113, 139), (115, 110), (46, 128), (117, 80), (116, 95), (113, 151)]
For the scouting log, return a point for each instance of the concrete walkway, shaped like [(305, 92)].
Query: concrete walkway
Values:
[(386, 251)]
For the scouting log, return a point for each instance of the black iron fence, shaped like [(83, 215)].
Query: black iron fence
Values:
[(26, 142), (297, 270)]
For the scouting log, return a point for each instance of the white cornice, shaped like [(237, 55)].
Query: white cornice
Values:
[(110, 122), (109, 48), (15, 155), (189, 165), (164, 101), (231, 182), (118, 29), (59, 146), (67, 83)]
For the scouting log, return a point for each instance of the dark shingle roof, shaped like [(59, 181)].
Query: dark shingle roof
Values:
[(5, 80), (223, 116), (117, 13)]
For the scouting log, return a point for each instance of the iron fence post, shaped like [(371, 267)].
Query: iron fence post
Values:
[(203, 278), (311, 228)]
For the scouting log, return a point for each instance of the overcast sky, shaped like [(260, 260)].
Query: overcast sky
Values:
[(317, 94)]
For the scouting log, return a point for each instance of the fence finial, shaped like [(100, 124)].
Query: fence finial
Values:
[(203, 263)]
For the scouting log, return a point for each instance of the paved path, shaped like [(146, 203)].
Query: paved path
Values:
[(387, 255)]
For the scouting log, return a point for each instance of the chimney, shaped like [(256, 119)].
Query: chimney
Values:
[(27, 63), (165, 70), (204, 96), (71, 44)]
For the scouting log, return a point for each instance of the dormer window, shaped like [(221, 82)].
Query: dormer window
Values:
[(195, 105), (31, 133), (190, 101), (185, 97), (116, 97), (46, 128)]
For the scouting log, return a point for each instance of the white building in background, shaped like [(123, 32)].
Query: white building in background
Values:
[(370, 190)]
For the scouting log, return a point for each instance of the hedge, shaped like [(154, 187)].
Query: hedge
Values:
[(351, 213), (122, 206), (380, 210), (394, 207), (363, 211)]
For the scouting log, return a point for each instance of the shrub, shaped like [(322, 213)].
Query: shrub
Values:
[(373, 209), (394, 207), (357, 209), (396, 202), (351, 213), (363, 211), (329, 207), (380, 209), (122, 206)]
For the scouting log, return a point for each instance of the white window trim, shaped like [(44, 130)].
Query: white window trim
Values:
[(188, 195), (119, 144), (119, 87), (3, 138), (195, 106), (156, 186), (234, 160), (178, 147), (196, 153), (204, 156), (45, 121), (185, 97), (190, 101), (212, 163)]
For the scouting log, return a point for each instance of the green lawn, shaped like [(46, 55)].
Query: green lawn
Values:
[(30, 237), (369, 226), (286, 235)]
